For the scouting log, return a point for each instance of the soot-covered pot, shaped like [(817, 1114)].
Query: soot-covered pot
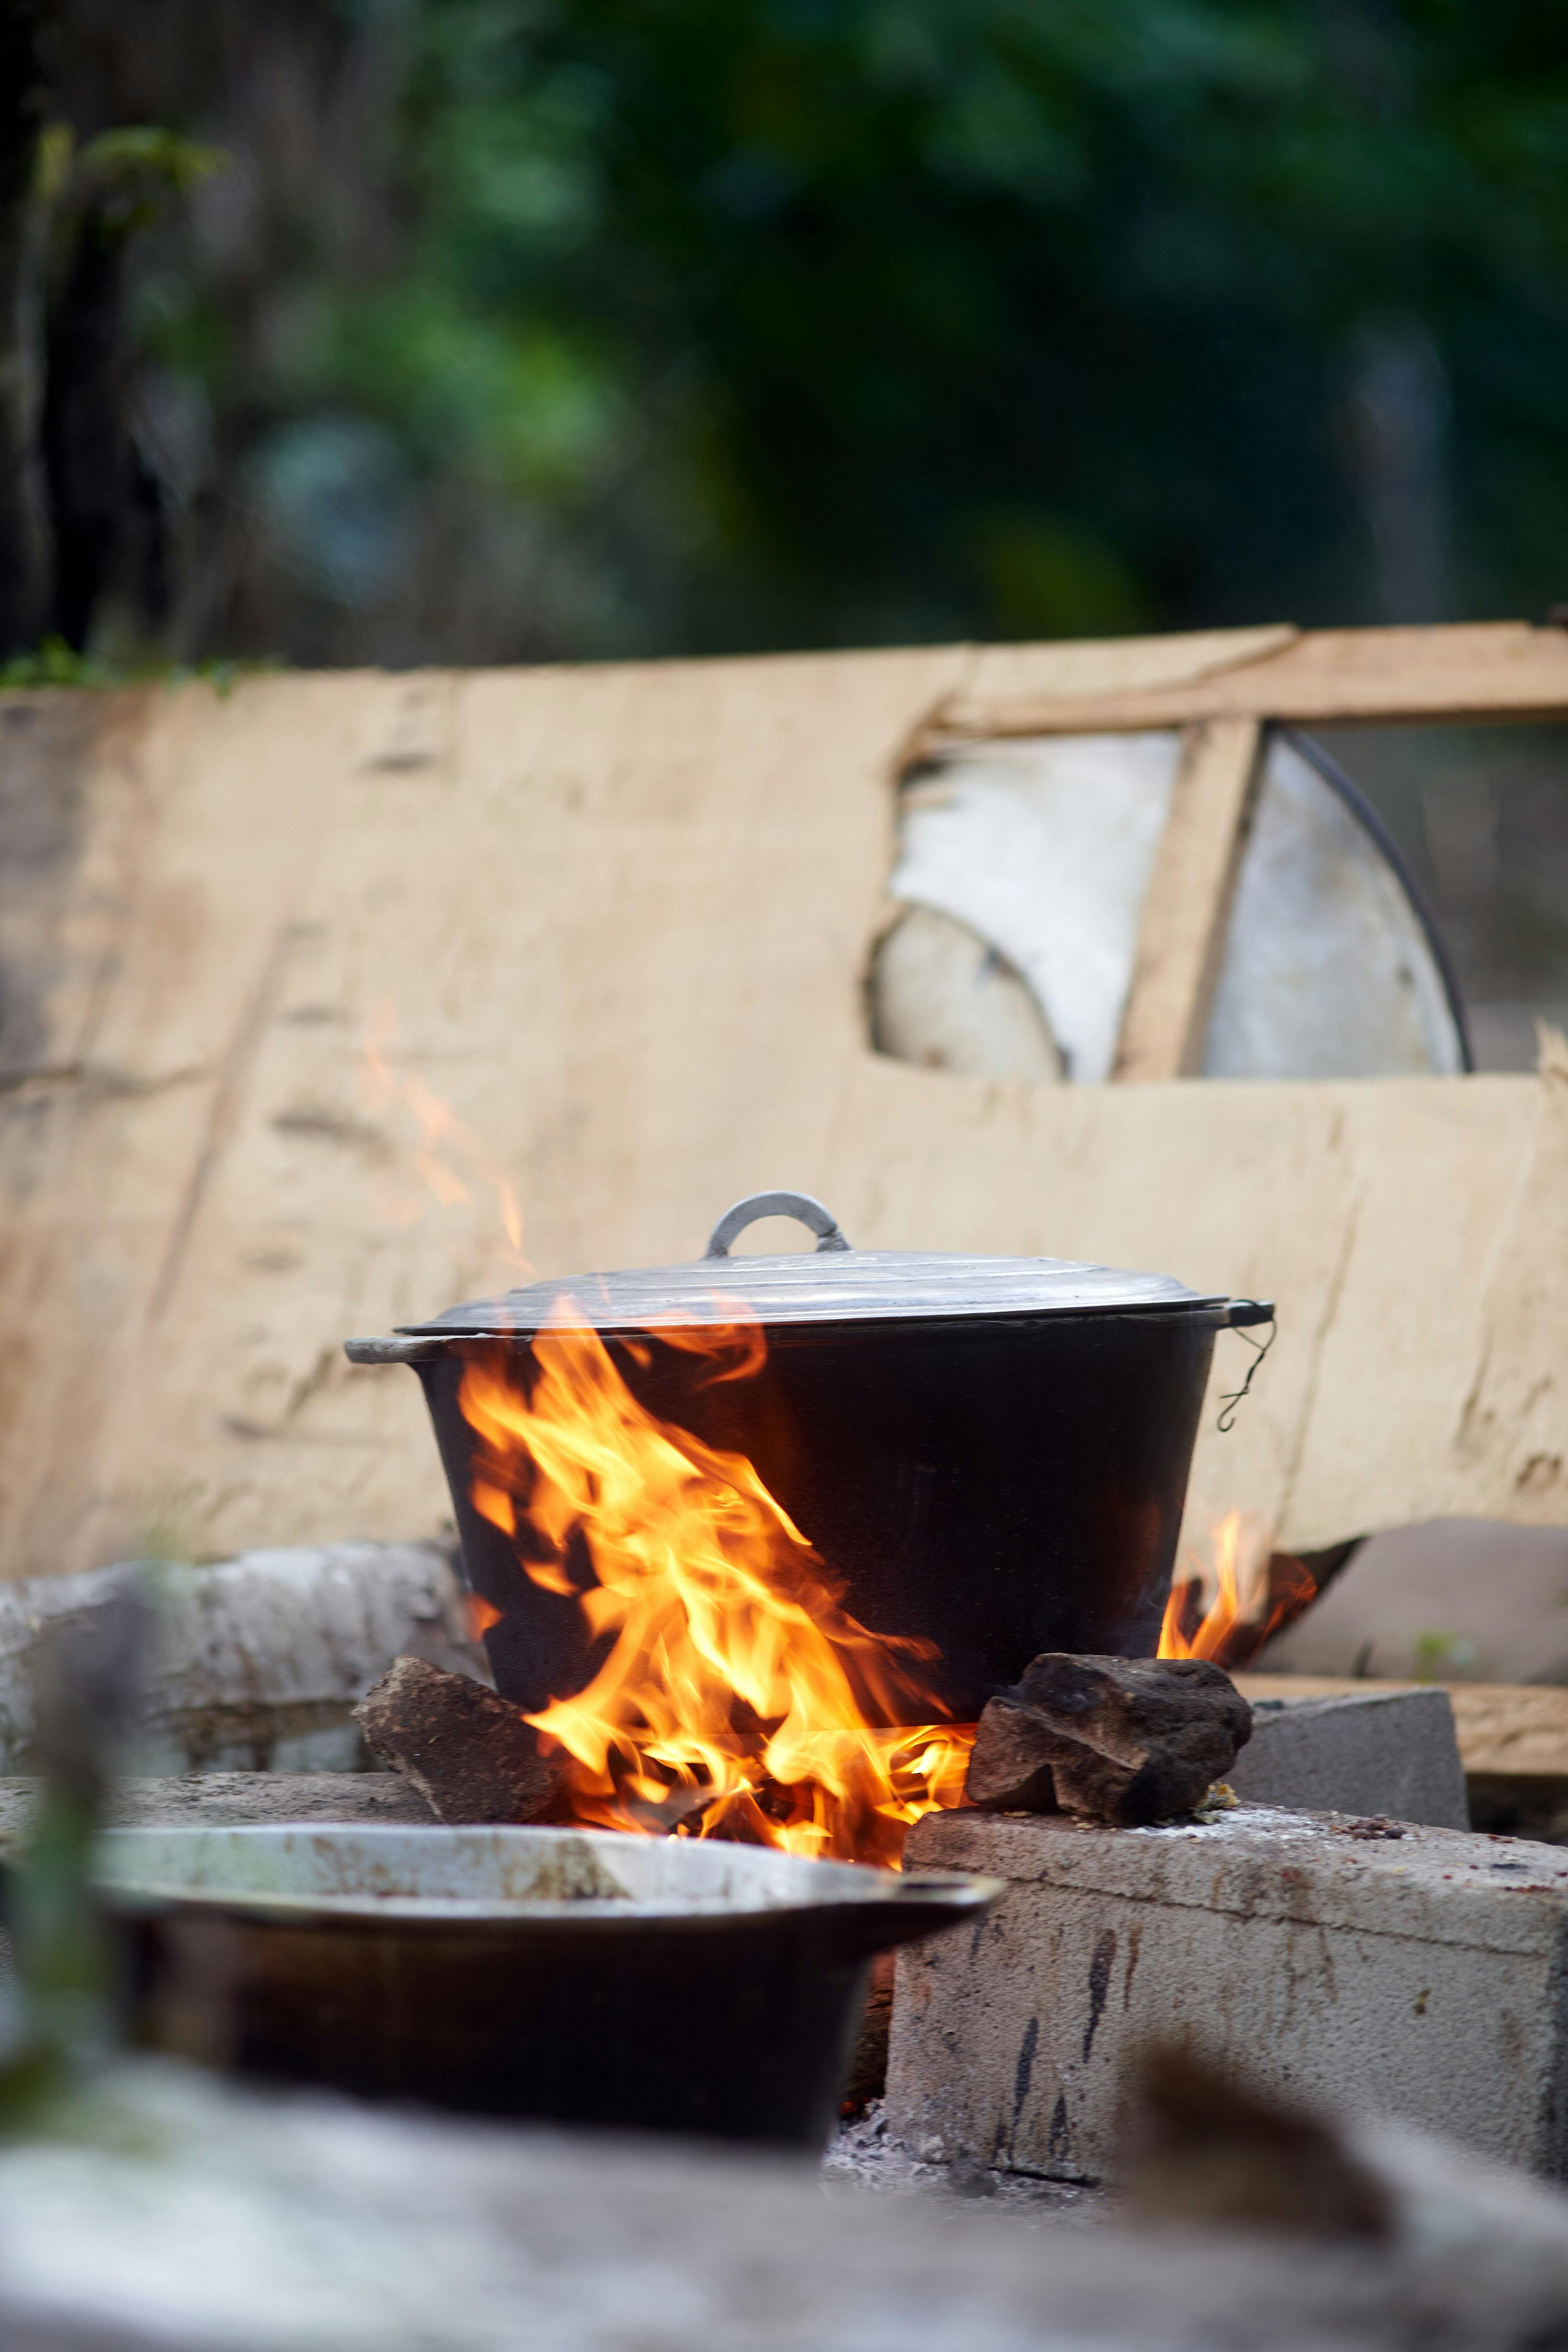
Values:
[(990, 1453)]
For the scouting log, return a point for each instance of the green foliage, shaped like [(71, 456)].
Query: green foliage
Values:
[(127, 175), (145, 152), (801, 320), (54, 663), (1017, 315)]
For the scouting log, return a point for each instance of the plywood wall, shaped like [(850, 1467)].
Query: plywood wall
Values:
[(618, 920)]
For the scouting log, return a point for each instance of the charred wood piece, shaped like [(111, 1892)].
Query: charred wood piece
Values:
[(469, 1754), (1122, 1741)]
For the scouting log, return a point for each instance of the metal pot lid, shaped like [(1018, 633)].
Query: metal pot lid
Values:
[(833, 1284)]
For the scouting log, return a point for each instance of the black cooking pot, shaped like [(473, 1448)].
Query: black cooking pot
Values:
[(989, 1452)]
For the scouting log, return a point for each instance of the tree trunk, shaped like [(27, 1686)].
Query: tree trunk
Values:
[(24, 549), (86, 445)]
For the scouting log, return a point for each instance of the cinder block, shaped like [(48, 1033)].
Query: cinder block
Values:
[(1390, 1752), (1418, 1976)]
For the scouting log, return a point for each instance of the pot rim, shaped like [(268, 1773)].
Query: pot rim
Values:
[(424, 1344), (890, 1906)]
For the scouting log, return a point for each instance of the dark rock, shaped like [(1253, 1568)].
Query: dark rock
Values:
[(1011, 1764), (1124, 1740), (469, 1754)]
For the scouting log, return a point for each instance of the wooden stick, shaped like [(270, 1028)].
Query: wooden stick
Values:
[(1495, 669), (1181, 938), (1517, 1730)]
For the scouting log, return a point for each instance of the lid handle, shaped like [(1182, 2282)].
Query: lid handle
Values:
[(734, 1222)]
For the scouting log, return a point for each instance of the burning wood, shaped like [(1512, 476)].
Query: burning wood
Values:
[(734, 1695), (1122, 1741), (736, 1698), (1229, 1611), (471, 1757)]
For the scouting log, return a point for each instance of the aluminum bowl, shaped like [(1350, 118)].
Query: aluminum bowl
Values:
[(656, 1983)]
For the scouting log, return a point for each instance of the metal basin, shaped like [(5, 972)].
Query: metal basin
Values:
[(661, 1984)]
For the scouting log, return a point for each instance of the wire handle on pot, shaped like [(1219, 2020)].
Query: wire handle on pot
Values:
[(734, 1222), (1245, 1313)]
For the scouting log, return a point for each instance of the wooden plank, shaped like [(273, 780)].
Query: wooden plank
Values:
[(1383, 1216), (1257, 1687), (1186, 910), (572, 894), (622, 914), (1516, 1730), (1520, 1732), (1502, 669), (1078, 669)]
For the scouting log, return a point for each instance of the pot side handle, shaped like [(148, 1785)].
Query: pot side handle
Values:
[(810, 1213), (1240, 1313), (393, 1352)]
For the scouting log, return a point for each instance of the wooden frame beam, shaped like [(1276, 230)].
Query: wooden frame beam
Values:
[(1186, 908), (1488, 670)]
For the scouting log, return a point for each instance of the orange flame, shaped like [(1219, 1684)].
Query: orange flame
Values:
[(448, 1158), (1252, 1592), (738, 1698), (482, 1615)]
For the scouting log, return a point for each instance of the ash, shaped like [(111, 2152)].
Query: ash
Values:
[(863, 2154)]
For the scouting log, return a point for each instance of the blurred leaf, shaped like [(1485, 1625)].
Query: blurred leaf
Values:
[(145, 153), (1046, 579)]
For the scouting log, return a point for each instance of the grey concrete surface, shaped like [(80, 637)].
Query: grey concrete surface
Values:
[(222, 1799), (181, 2212), (864, 2154), (1390, 1752), (1416, 1977)]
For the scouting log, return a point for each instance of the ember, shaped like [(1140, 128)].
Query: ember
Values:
[(737, 1699)]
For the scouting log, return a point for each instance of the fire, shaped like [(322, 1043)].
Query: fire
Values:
[(1252, 1593), (737, 1698), (448, 1157)]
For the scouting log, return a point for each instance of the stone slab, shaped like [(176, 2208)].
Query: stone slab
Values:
[(1417, 1976), (178, 2212), (223, 1800), (1391, 1752)]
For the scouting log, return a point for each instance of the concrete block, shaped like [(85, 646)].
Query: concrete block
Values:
[(1391, 1752), (1417, 1976)]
